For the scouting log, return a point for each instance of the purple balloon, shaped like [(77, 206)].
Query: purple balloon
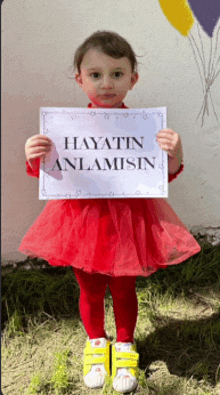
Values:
[(207, 12)]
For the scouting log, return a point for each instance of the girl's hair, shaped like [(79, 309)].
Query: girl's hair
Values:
[(109, 43)]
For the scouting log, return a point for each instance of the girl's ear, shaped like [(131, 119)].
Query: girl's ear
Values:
[(134, 80), (78, 78)]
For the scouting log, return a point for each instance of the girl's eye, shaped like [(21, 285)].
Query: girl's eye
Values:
[(118, 74), (95, 76)]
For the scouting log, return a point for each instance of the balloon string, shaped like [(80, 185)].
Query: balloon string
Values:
[(203, 108), (215, 76), (215, 53), (206, 75), (210, 60), (213, 106), (207, 80), (191, 40), (209, 75), (213, 73), (203, 53), (205, 100)]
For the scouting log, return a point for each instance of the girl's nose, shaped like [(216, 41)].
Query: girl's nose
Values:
[(107, 82)]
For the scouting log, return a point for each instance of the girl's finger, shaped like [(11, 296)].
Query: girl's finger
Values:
[(39, 139), (172, 137), (164, 138), (165, 142), (167, 137), (169, 131), (38, 151), (39, 145), (167, 148), (42, 136)]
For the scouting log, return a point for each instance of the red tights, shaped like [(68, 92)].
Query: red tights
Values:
[(91, 304)]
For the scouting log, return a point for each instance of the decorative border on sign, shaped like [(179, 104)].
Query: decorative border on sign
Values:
[(111, 194)]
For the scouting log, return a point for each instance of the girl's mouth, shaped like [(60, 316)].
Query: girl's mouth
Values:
[(108, 96)]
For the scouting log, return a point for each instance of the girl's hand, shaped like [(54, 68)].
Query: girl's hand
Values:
[(36, 147), (170, 142)]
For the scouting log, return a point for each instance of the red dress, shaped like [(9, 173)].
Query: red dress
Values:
[(118, 237)]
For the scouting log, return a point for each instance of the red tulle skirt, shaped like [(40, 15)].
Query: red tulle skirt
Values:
[(118, 237)]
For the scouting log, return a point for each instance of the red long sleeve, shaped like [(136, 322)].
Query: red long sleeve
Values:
[(35, 172), (173, 176)]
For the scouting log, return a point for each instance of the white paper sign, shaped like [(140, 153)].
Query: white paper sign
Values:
[(103, 153)]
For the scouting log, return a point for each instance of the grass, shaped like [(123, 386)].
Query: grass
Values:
[(177, 332)]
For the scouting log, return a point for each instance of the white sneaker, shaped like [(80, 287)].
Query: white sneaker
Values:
[(97, 350), (125, 378)]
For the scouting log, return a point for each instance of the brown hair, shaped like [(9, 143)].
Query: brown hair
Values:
[(109, 43)]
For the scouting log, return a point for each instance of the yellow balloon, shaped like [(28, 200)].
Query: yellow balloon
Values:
[(178, 14)]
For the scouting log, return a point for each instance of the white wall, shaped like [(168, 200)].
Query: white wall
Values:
[(39, 39)]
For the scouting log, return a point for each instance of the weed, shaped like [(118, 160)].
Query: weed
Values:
[(14, 324), (34, 386), (59, 379)]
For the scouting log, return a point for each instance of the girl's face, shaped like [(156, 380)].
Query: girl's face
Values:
[(105, 80)]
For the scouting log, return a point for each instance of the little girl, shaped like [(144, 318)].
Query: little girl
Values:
[(109, 242)]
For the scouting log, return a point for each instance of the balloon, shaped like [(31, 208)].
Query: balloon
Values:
[(207, 12), (178, 14)]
